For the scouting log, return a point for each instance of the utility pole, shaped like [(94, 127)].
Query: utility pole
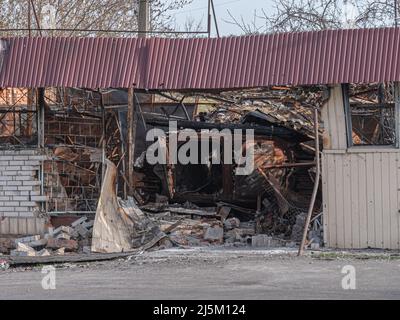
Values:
[(133, 98), (144, 18)]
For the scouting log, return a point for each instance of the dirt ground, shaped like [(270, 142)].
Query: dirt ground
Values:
[(213, 274)]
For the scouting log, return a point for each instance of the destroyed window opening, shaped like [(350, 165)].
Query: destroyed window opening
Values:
[(386, 115)]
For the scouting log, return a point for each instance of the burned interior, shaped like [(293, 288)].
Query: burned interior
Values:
[(83, 128)]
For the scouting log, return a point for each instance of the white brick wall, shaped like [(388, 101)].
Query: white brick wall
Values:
[(19, 182)]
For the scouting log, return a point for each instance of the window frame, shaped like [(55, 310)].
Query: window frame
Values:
[(349, 125)]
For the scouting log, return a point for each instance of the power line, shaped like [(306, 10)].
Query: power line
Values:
[(203, 8)]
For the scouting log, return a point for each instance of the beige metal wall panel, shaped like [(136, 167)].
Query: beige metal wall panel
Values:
[(334, 123), (361, 199), (22, 226)]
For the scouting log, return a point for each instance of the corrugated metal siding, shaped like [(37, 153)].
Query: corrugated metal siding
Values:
[(361, 199), (22, 226), (303, 58)]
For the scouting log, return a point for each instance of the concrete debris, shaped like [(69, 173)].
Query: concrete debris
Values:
[(215, 233), (87, 250), (38, 243), (78, 222), (59, 252), (231, 223), (68, 245), (192, 232), (27, 239), (43, 253), (56, 241), (6, 244), (23, 250), (63, 235)]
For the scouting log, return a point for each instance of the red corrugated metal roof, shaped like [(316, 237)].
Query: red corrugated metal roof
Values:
[(303, 58)]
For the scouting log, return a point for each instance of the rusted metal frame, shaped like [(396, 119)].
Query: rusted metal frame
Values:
[(165, 95), (258, 130), (184, 108), (12, 106), (316, 183), (11, 109)]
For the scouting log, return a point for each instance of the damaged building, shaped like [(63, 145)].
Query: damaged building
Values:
[(75, 112)]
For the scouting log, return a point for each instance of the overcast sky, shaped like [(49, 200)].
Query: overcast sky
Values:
[(238, 8)]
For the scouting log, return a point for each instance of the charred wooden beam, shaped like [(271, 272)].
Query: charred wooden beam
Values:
[(270, 130)]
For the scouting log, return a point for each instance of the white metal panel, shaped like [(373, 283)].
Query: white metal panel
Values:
[(361, 199)]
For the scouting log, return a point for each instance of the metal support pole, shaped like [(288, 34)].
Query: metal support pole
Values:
[(316, 183)]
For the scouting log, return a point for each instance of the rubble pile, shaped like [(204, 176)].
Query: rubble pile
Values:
[(58, 241)]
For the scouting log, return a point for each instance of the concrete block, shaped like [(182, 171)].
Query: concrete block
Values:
[(64, 229), (59, 252), (63, 235), (69, 245), (38, 243), (214, 233), (82, 231), (78, 221), (27, 239), (43, 253), (22, 247)]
